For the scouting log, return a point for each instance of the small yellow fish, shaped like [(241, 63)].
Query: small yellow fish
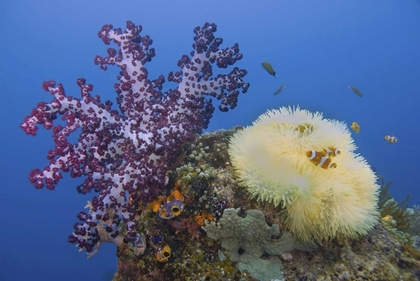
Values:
[(278, 91), (267, 66), (356, 91), (355, 127), (391, 139)]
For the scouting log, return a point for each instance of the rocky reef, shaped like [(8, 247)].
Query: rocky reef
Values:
[(205, 227)]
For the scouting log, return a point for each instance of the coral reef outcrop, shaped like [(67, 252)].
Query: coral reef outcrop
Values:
[(204, 174)]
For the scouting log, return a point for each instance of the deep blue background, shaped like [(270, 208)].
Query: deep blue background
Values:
[(318, 49)]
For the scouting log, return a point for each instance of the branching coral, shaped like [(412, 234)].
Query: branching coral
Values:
[(272, 160)]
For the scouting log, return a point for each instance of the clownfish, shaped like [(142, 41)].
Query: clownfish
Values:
[(391, 139), (305, 128), (320, 159), (355, 127), (331, 151)]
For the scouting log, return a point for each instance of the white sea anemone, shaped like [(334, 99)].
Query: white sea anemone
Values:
[(270, 160)]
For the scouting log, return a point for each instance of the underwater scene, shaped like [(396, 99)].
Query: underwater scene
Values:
[(205, 141)]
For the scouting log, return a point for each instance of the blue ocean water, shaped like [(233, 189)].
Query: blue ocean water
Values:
[(318, 49)]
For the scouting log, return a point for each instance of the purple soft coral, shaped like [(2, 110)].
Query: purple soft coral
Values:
[(124, 155)]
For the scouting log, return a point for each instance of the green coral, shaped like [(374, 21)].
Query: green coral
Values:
[(246, 239)]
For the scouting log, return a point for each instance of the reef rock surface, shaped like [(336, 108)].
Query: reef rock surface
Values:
[(249, 242)]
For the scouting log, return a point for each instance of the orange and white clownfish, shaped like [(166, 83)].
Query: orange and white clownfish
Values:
[(391, 139), (320, 159), (331, 151)]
